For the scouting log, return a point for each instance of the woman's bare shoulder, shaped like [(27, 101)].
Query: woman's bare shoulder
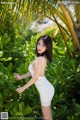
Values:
[(41, 59)]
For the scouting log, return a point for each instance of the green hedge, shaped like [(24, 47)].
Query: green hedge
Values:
[(63, 73)]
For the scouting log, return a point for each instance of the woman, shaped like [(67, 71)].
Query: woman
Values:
[(37, 71)]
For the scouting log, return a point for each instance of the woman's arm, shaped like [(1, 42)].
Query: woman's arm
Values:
[(34, 78), (20, 77), (26, 75), (36, 73)]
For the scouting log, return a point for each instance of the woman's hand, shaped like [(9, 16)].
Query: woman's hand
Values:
[(20, 90), (17, 76)]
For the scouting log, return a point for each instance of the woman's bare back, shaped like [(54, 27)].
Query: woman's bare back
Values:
[(43, 65)]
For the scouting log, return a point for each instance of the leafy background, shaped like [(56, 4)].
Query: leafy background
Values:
[(17, 50), (63, 73)]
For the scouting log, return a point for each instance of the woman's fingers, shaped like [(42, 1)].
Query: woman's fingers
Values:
[(16, 75), (20, 90)]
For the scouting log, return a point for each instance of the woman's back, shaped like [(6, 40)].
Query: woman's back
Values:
[(36, 63)]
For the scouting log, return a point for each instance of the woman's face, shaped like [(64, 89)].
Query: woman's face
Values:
[(41, 47)]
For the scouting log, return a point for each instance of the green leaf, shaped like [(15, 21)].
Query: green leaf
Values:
[(1, 44), (12, 113), (1, 53), (19, 114), (10, 105), (10, 67), (27, 110), (15, 110), (1, 102), (21, 106), (11, 86)]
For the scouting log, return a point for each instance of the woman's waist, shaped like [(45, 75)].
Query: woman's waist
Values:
[(42, 81)]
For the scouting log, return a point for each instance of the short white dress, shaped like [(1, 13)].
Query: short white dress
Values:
[(44, 87)]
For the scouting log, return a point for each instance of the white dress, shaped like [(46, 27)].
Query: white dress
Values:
[(44, 87)]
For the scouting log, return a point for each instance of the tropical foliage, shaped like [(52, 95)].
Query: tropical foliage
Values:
[(17, 50)]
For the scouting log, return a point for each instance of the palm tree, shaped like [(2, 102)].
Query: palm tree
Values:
[(32, 9), (77, 14)]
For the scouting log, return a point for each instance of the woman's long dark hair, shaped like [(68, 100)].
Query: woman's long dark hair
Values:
[(48, 43)]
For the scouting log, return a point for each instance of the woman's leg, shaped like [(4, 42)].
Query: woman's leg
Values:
[(47, 113)]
